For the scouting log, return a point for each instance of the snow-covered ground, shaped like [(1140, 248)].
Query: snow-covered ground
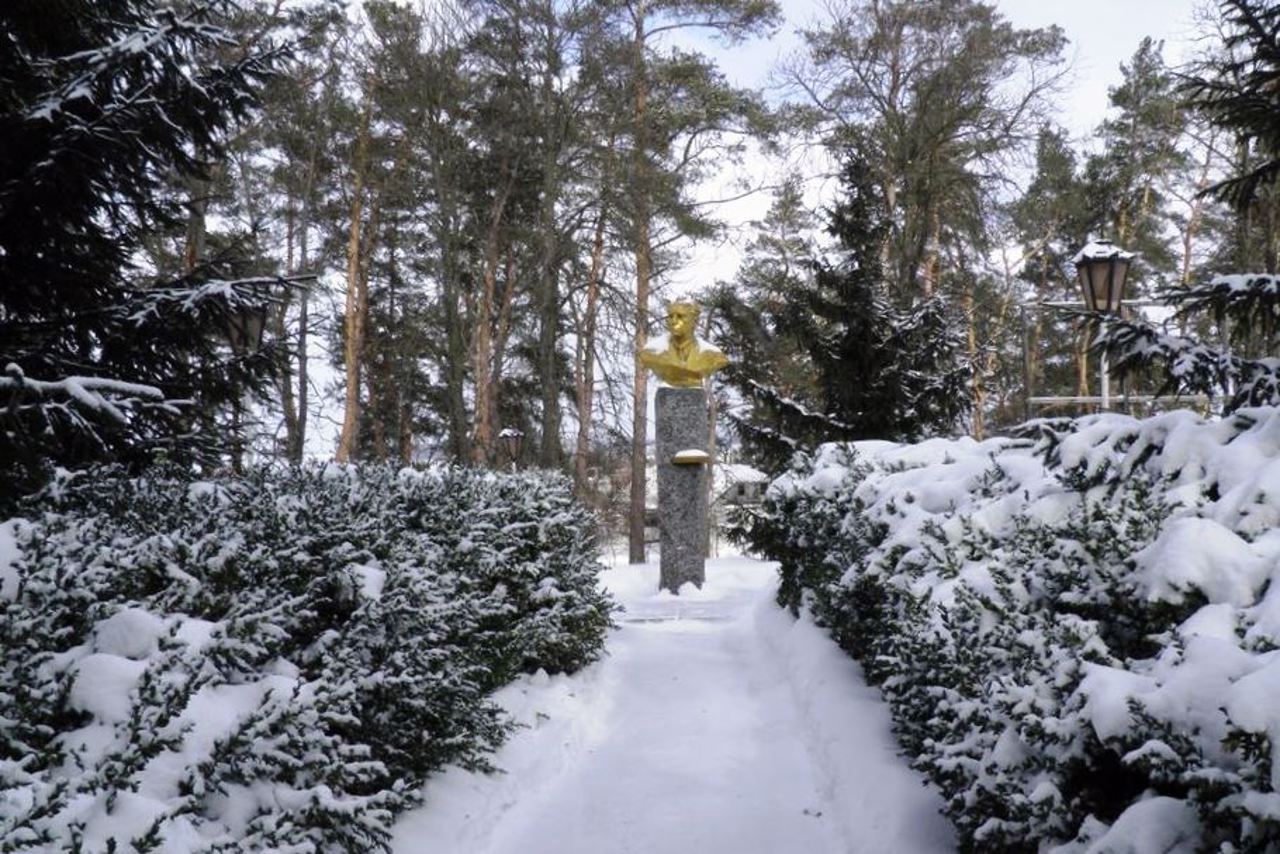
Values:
[(717, 723)]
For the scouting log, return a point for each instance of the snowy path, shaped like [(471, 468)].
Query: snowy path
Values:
[(716, 724)]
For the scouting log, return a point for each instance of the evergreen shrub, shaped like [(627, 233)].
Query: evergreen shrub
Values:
[(273, 662), (1072, 628)]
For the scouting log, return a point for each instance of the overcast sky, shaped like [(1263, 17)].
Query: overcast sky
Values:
[(1104, 34)]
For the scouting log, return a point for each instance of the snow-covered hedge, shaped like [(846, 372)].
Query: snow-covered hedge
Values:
[(1076, 630), (274, 662)]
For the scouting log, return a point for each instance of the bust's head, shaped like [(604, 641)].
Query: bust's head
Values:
[(682, 319)]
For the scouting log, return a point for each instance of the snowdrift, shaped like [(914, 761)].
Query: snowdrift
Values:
[(274, 662), (1075, 628)]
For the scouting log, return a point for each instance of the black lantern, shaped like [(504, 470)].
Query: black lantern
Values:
[(244, 328), (1102, 268), (512, 438)]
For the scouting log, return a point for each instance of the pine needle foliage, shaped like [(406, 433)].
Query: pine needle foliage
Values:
[(106, 109), (825, 354), (1240, 92)]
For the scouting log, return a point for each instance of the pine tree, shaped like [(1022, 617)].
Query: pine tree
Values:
[(874, 371), (102, 109), (938, 93), (1239, 92), (1052, 221), (1235, 88), (1140, 158), (681, 107)]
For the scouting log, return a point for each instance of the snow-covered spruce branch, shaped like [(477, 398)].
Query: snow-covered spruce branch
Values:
[(97, 96), (1250, 299), (109, 398), (101, 63), (1188, 366), (794, 407), (225, 295)]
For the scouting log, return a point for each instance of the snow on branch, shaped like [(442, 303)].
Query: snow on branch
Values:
[(1252, 299), (795, 407), (101, 64), (157, 97), (227, 295), (100, 395), (1189, 367)]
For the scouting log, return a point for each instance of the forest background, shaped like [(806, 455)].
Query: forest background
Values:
[(424, 227)]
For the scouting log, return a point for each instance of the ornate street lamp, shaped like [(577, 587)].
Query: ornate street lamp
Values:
[(244, 330), (1102, 268), (245, 327), (512, 438)]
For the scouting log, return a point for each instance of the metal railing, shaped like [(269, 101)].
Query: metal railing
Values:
[(1105, 399)]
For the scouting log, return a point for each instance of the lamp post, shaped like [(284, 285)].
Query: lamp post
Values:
[(512, 438), (1102, 268), (245, 326)]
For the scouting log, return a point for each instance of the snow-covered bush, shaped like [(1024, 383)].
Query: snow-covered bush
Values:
[(1076, 629), (273, 662)]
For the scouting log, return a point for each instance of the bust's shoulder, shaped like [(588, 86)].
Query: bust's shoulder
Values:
[(704, 346)]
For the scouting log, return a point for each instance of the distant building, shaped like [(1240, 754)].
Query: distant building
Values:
[(732, 485), (737, 484)]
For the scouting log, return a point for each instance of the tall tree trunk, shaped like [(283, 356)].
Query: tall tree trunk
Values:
[(890, 191), (1270, 251), (502, 329), (551, 450), (971, 339), (997, 332), (304, 299), (933, 243), (198, 190), (1082, 364), (644, 269), (383, 385), (288, 403), (298, 441), (1243, 213), (375, 382), (1034, 369), (482, 341), (356, 312), (586, 378), (456, 345), (404, 432), (640, 398), (298, 449)]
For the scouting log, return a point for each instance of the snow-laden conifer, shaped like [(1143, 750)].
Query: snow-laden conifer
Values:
[(274, 662), (1075, 628)]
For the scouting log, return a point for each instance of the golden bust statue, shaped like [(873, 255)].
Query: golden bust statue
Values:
[(679, 358)]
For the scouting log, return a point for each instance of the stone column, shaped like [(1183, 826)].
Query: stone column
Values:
[(682, 489)]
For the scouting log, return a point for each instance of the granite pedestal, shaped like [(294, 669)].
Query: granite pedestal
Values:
[(681, 416)]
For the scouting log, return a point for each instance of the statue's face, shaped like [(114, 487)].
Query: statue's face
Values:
[(681, 320)]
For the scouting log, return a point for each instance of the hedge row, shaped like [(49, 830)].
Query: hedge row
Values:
[(274, 662), (1077, 630)]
